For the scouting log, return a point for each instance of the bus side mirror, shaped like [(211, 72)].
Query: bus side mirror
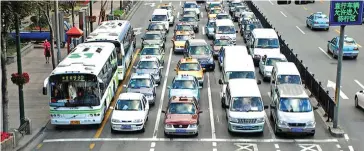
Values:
[(45, 90)]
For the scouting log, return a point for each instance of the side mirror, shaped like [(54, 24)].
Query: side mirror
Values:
[(150, 20), (329, 41), (169, 87), (361, 91), (125, 86), (163, 111), (272, 106), (273, 82), (237, 31), (44, 90), (266, 106), (314, 107), (259, 82), (220, 81), (199, 112)]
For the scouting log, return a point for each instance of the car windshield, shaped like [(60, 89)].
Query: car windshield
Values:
[(73, 91), (182, 37), (181, 108), (166, 7), (222, 17), (189, 13), (253, 26), (240, 75), (246, 104), (211, 24), (189, 67), (349, 42), (156, 27), (240, 9), (199, 50), (136, 83), (215, 11), (147, 65), (128, 105), (295, 105), (152, 37), (272, 61), (267, 43), (159, 18), (150, 51), (184, 84), (289, 79), (226, 30), (190, 5), (222, 42), (189, 19), (184, 28)]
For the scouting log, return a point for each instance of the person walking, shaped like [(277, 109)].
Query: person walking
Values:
[(47, 50)]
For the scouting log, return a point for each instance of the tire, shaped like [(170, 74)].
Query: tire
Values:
[(196, 134), (355, 57), (356, 102), (112, 131), (167, 135)]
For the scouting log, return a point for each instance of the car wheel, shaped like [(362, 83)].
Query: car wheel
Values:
[(356, 102), (166, 135), (112, 130), (354, 57), (327, 29), (307, 25), (196, 134), (143, 129)]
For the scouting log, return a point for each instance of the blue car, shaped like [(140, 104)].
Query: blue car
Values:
[(350, 49), (210, 28), (184, 85), (318, 21)]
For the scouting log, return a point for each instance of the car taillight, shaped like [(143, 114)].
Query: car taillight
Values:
[(53, 100), (356, 48)]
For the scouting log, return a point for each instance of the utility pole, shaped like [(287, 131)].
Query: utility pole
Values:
[(51, 30), (20, 70), (338, 76), (112, 6), (57, 32), (91, 23), (121, 5)]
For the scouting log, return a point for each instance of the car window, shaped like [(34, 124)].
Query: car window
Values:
[(182, 108), (184, 84), (152, 36), (189, 67), (295, 105), (189, 19), (150, 51), (137, 83), (272, 61), (289, 79), (129, 105), (199, 50), (147, 65)]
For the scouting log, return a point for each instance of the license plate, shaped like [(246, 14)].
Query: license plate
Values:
[(126, 126), (180, 130), (297, 130), (75, 122)]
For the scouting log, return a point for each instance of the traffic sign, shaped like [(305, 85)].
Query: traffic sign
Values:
[(346, 12)]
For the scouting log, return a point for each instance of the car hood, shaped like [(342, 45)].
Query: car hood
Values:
[(265, 51), (201, 57), (183, 92), (147, 71), (246, 115), (126, 115), (183, 119), (141, 90), (291, 117)]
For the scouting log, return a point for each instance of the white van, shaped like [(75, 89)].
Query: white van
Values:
[(236, 67), (225, 28), (162, 16), (244, 106), (261, 42), (237, 50), (284, 73)]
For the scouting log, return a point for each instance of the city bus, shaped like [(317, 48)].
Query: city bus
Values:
[(83, 85), (121, 34)]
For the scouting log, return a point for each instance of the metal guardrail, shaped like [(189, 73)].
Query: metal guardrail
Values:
[(322, 96)]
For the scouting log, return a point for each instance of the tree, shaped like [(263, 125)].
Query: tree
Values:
[(68, 6), (7, 22)]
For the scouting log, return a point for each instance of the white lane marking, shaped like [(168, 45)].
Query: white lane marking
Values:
[(217, 119), (346, 136), (331, 84), (361, 85), (325, 52), (152, 149), (203, 31), (152, 145), (338, 146), (283, 14), (162, 96), (214, 149), (270, 1), (214, 144), (276, 146), (278, 150), (351, 148), (269, 126), (192, 140), (201, 14), (212, 121), (300, 30), (180, 3), (178, 15)]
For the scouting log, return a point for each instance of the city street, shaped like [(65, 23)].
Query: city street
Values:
[(213, 133)]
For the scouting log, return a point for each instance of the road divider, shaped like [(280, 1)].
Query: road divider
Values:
[(317, 90)]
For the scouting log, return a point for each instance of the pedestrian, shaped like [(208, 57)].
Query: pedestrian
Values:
[(47, 50)]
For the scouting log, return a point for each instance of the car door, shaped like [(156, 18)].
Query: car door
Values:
[(309, 20), (361, 98), (275, 104), (146, 107), (332, 45)]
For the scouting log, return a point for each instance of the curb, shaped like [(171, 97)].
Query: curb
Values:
[(42, 129)]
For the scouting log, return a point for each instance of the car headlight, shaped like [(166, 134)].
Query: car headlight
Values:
[(193, 125), (233, 120), (115, 120), (260, 120), (138, 121), (311, 124), (282, 123), (168, 126)]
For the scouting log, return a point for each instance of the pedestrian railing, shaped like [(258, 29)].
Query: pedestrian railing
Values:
[(322, 96)]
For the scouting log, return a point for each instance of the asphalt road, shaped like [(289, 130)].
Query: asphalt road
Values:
[(213, 133), (311, 47)]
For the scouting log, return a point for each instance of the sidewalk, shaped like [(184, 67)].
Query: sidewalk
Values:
[(36, 104)]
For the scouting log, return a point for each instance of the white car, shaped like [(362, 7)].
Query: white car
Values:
[(359, 99), (130, 113), (267, 62)]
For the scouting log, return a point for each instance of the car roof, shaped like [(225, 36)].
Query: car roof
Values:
[(286, 68), (244, 88), (275, 55), (148, 59), (130, 96), (153, 32), (264, 33), (239, 63), (197, 42), (182, 99), (291, 90)]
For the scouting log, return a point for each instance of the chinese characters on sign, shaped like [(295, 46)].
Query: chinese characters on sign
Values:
[(346, 12)]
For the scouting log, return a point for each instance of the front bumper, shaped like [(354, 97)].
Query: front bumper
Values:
[(296, 130), (246, 128), (181, 131), (351, 54), (84, 121), (127, 127)]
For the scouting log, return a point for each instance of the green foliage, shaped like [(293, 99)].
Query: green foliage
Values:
[(9, 8), (118, 12), (39, 21)]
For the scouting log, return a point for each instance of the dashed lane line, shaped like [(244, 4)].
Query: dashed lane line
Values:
[(361, 85), (213, 131), (351, 148), (325, 52), (270, 1), (283, 14), (300, 30)]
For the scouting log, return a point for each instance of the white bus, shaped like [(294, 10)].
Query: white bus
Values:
[(82, 86), (121, 34)]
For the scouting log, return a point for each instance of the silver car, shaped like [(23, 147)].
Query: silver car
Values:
[(154, 38), (150, 65), (143, 83), (193, 20)]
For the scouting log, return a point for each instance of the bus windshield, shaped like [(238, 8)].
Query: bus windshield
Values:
[(74, 90)]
